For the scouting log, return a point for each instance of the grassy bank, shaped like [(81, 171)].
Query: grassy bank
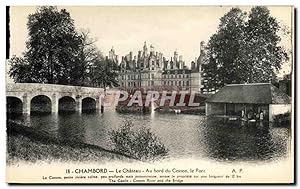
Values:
[(27, 144)]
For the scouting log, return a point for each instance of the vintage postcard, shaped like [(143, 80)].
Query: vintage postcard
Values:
[(150, 94)]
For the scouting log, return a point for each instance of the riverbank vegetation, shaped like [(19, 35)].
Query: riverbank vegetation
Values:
[(141, 144), (30, 145)]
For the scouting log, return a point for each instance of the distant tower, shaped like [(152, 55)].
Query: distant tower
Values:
[(201, 56), (112, 55), (202, 43), (175, 56), (130, 56), (151, 49), (145, 49)]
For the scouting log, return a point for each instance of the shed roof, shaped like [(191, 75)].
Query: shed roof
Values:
[(253, 93)]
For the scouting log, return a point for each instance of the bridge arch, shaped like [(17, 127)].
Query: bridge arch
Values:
[(88, 105), (40, 104), (66, 104), (14, 105)]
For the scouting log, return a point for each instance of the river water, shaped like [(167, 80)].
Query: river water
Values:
[(185, 136)]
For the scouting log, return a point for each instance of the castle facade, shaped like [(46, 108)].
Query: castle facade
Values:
[(149, 69)]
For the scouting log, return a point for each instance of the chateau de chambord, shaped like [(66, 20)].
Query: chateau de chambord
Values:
[(149, 69)]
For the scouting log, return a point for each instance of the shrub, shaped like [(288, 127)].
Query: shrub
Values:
[(140, 144)]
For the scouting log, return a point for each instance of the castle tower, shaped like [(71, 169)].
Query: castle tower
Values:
[(201, 56), (180, 58), (112, 55), (130, 56), (202, 43), (145, 49), (151, 49), (175, 56)]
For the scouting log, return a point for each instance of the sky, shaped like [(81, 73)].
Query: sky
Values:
[(126, 28)]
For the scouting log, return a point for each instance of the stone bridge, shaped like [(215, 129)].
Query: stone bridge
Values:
[(46, 98)]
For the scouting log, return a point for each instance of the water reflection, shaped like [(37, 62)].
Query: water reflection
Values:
[(70, 126), (183, 135), (250, 142)]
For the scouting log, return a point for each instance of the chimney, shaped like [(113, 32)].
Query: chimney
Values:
[(193, 65), (130, 56), (180, 58), (117, 58)]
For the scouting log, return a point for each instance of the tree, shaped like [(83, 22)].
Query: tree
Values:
[(103, 73), (223, 50), (21, 69), (58, 54), (87, 56), (261, 51), (52, 48), (245, 49)]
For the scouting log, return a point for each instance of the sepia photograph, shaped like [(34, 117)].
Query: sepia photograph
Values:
[(150, 94)]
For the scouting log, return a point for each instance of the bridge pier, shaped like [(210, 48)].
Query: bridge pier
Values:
[(101, 104), (54, 101), (98, 105), (26, 104), (78, 100)]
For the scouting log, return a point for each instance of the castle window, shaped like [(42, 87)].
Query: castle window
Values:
[(179, 76), (152, 83), (179, 83), (187, 83), (152, 76)]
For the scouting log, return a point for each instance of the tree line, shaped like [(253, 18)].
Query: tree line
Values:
[(56, 53), (245, 49)]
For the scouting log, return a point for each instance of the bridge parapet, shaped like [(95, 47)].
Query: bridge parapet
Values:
[(33, 87)]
